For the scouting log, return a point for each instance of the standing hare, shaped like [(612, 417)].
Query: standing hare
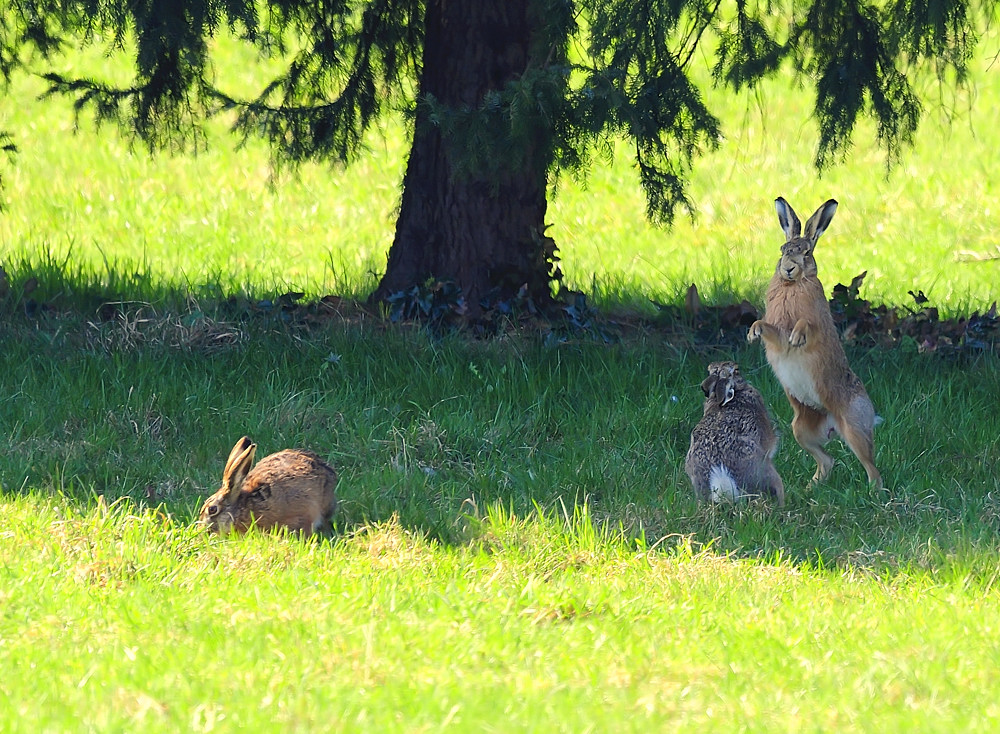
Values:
[(805, 352), (733, 445), (291, 489)]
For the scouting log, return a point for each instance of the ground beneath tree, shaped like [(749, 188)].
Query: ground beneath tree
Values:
[(111, 322)]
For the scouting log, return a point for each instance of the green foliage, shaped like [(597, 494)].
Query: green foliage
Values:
[(170, 47), (31, 26), (636, 84), (864, 59), (434, 303), (856, 71), (355, 65), (26, 27), (113, 215), (216, 225), (515, 120), (601, 70)]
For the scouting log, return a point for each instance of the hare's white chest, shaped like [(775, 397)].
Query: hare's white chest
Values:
[(794, 376)]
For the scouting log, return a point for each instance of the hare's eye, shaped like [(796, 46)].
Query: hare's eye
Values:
[(213, 510)]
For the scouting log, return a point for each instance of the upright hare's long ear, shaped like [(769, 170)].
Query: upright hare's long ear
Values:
[(238, 466), (820, 220), (790, 223)]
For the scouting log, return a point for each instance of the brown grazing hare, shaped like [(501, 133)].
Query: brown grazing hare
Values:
[(804, 350), (733, 445), (291, 489)]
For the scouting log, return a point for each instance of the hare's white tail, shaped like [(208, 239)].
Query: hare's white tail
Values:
[(722, 485)]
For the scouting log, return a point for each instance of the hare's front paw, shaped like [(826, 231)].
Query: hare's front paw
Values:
[(798, 336), (756, 329)]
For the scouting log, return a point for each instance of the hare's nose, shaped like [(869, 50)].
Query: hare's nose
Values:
[(789, 271)]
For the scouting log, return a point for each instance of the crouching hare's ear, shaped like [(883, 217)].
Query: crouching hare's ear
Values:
[(720, 390), (217, 512)]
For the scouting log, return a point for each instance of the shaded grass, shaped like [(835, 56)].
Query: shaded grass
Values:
[(426, 429)]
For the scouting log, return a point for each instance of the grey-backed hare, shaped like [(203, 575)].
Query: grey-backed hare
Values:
[(804, 350), (291, 489), (733, 445)]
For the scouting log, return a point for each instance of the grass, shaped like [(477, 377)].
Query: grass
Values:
[(425, 429), (219, 218), (518, 548), (537, 626)]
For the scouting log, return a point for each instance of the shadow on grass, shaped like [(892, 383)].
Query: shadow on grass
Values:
[(443, 432)]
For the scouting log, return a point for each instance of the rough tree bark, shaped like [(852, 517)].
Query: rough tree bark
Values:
[(483, 234)]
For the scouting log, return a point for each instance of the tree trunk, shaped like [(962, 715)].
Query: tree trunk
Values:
[(484, 234)]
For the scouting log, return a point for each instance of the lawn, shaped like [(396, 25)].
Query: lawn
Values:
[(220, 218), (518, 548)]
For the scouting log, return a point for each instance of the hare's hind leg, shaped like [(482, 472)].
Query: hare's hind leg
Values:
[(859, 440), (812, 430)]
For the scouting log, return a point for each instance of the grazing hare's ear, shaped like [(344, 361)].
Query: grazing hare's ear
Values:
[(238, 449), (820, 220), (790, 223), (238, 466), (730, 390)]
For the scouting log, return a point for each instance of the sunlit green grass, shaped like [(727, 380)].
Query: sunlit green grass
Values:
[(127, 620), (517, 547), (220, 217)]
